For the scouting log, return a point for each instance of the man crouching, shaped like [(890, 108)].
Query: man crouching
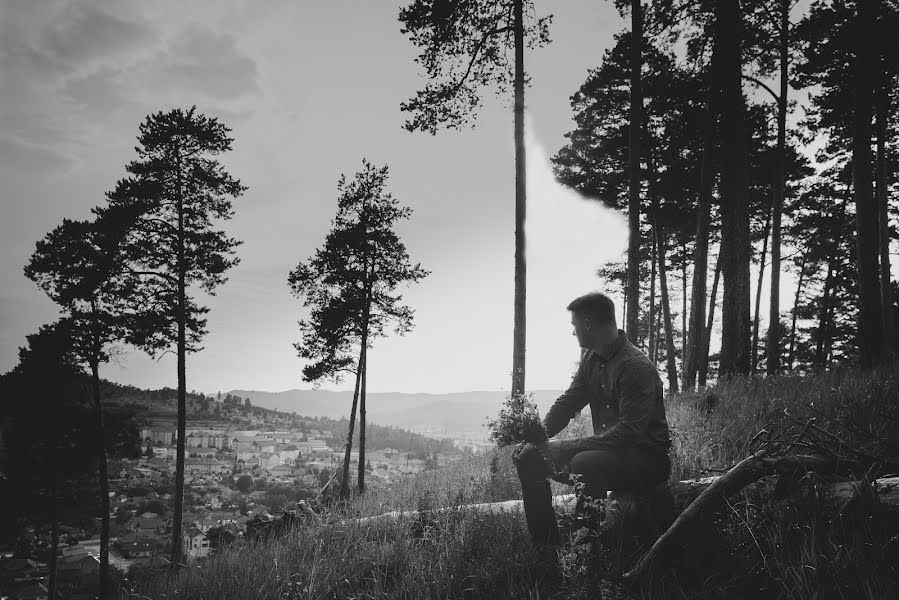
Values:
[(630, 441)]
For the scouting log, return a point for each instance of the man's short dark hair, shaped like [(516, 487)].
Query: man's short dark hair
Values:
[(595, 305)]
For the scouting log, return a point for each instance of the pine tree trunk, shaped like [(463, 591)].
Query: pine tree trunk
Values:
[(792, 354), (758, 293), (365, 325), (870, 313), (54, 533), (633, 196), (181, 317), (345, 480), (701, 251), (735, 250), (669, 334), (361, 471), (824, 308), (652, 301), (707, 334), (104, 482), (773, 340), (655, 349), (683, 305), (519, 334), (882, 197)]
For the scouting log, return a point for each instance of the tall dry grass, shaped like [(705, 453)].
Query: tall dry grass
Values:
[(776, 550)]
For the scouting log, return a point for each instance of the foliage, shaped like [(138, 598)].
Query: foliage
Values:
[(518, 422), (349, 284), (245, 483), (464, 47), (175, 175)]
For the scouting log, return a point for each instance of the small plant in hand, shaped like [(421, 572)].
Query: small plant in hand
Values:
[(518, 422)]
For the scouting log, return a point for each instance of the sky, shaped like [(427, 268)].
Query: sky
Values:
[(309, 89)]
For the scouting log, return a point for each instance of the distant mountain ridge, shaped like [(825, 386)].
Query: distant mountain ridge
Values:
[(453, 412)]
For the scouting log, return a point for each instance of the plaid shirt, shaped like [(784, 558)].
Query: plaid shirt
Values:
[(624, 391)]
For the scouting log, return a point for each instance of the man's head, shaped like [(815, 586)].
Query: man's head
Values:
[(593, 319)]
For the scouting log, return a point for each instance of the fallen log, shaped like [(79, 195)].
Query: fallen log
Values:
[(709, 493)]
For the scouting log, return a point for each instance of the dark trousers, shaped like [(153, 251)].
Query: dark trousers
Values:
[(630, 468)]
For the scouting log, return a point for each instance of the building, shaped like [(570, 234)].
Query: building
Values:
[(196, 545)]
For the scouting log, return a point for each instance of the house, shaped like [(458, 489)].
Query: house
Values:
[(258, 495), (139, 544), (288, 452), (22, 569), (29, 590), (76, 568), (268, 460), (147, 525), (196, 545)]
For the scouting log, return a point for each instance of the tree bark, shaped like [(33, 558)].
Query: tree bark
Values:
[(701, 251), (758, 293), (882, 197), (824, 309), (366, 321), (345, 480), (54, 539), (361, 473), (683, 306), (669, 334), (795, 304), (519, 334), (652, 301), (735, 250), (713, 490), (104, 482), (773, 340), (181, 316), (633, 196), (707, 335), (870, 313)]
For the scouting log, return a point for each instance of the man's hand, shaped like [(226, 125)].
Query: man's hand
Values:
[(516, 454), (551, 453)]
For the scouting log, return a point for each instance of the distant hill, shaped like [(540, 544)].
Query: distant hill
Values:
[(462, 411)]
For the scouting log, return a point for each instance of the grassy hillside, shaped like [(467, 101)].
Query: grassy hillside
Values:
[(777, 550)]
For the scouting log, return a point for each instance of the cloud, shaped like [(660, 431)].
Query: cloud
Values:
[(203, 62), (569, 238), (18, 155), (70, 71)]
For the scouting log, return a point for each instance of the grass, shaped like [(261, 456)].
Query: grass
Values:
[(779, 549)]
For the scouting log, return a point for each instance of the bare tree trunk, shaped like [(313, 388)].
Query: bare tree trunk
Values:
[(669, 334), (655, 349), (366, 320), (361, 472), (882, 197), (633, 201), (701, 251), (824, 309), (683, 311), (104, 482), (870, 313), (707, 335), (758, 295), (345, 480), (54, 533), (178, 507), (773, 358), (735, 248), (519, 335), (652, 301), (795, 304)]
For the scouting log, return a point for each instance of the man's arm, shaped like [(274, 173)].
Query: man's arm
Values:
[(569, 403), (637, 383)]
